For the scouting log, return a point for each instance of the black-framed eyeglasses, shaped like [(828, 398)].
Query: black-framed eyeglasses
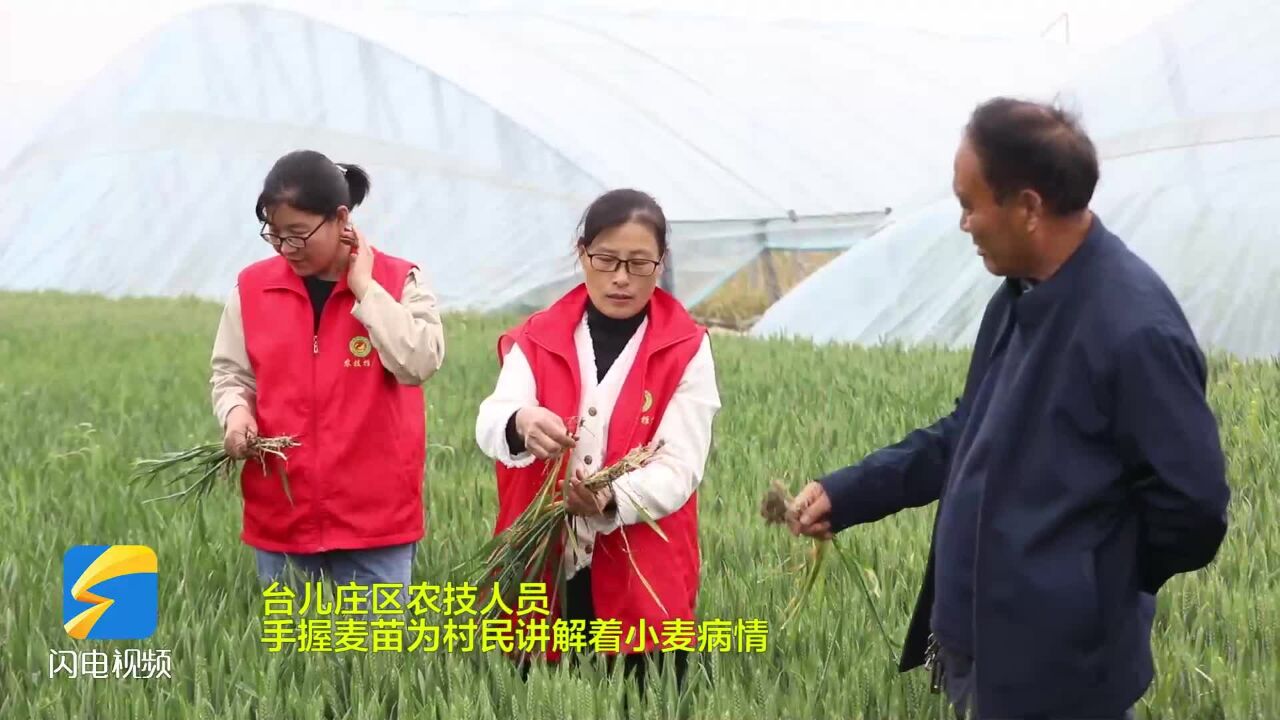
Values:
[(640, 267), (296, 241)]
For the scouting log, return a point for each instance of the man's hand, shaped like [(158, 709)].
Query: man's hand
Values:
[(241, 428), (544, 432), (811, 513)]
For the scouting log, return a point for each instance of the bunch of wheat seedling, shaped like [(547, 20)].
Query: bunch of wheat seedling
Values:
[(523, 551), (205, 466), (778, 507)]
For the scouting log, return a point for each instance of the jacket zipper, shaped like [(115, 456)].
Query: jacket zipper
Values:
[(315, 429)]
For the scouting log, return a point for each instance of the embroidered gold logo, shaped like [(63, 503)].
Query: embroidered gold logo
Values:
[(360, 346), (648, 402)]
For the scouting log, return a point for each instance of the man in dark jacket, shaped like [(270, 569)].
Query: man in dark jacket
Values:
[(1081, 468)]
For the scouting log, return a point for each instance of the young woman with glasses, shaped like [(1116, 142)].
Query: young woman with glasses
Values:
[(614, 364), (327, 342)]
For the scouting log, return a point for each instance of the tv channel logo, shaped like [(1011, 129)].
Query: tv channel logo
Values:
[(110, 592)]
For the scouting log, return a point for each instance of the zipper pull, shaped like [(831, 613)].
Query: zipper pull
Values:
[(315, 344)]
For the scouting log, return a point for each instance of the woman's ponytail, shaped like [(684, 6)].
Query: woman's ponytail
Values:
[(357, 182), (313, 183)]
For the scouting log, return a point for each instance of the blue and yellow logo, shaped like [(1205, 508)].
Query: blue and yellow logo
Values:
[(110, 592)]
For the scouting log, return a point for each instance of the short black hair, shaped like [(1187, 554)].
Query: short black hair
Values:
[(1028, 145), (619, 207), (313, 183)]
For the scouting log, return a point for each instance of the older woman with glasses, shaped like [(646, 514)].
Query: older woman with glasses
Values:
[(328, 342), (614, 364)]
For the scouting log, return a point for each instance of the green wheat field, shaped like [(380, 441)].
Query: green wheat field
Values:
[(87, 386)]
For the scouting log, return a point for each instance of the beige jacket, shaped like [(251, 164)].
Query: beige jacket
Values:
[(408, 336)]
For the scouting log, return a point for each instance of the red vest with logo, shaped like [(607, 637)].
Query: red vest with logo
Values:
[(356, 479), (671, 566)]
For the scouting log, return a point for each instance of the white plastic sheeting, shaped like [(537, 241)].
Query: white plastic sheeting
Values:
[(1187, 119), (913, 282), (726, 118), (486, 135)]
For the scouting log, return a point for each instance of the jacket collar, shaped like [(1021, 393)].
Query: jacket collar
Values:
[(1069, 282), (281, 277), (553, 328)]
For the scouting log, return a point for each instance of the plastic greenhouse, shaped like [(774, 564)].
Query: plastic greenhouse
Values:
[(486, 135), (1187, 119)]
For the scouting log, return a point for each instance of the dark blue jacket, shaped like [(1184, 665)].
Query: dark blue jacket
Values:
[(1104, 478)]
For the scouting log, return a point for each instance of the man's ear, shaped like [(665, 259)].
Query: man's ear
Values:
[(343, 215), (1032, 205)]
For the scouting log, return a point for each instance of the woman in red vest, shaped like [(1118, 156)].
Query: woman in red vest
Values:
[(329, 342), (621, 362)]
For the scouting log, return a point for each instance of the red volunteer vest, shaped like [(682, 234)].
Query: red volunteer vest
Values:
[(672, 568), (356, 480)]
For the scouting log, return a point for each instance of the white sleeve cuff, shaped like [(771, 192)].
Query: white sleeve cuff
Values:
[(516, 389), (524, 459)]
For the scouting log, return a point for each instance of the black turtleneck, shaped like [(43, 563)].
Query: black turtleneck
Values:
[(608, 337), (319, 291)]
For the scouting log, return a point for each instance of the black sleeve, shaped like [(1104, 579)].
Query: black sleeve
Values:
[(515, 443), (911, 473), (1166, 430), (908, 474)]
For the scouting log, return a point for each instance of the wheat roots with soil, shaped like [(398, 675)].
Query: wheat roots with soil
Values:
[(523, 552), (778, 507), (198, 470)]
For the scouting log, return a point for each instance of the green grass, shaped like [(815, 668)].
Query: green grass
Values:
[(88, 386)]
